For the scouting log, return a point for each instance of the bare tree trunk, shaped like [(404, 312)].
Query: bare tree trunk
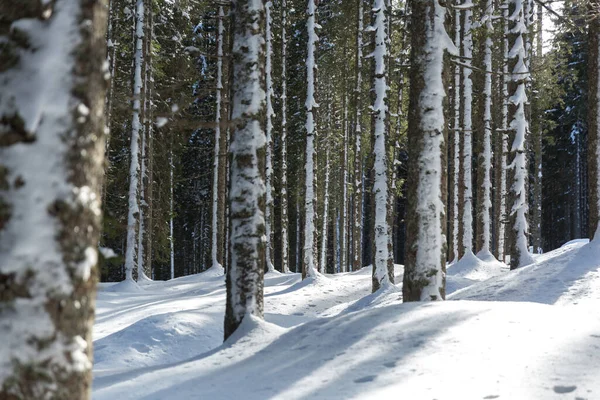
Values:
[(50, 180)]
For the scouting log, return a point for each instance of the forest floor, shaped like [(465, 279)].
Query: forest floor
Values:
[(533, 333)]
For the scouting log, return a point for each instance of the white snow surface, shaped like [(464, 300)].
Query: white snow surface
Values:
[(532, 333)]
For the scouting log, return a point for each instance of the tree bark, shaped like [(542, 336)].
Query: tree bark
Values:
[(424, 275), (247, 197), (51, 171)]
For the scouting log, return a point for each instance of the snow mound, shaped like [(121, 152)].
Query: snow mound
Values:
[(475, 268), (454, 350), (576, 241), (566, 275), (126, 286), (159, 339)]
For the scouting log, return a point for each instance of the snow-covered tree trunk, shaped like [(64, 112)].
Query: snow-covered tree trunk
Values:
[(52, 98), (309, 266), (594, 126), (537, 146), (245, 274), (217, 227), (501, 195), (467, 155), (518, 132), (344, 217), (382, 255), (424, 275), (456, 128), (484, 176), (171, 211), (269, 144), (357, 184), (150, 143), (285, 252), (141, 228), (133, 213), (324, 236)]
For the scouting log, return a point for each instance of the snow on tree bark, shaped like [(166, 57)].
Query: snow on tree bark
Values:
[(216, 243), (484, 191), (309, 265), (456, 134), (467, 48), (247, 192), (285, 254), (133, 215), (424, 275), (594, 126), (269, 145), (518, 131), (52, 85), (357, 186), (382, 256)]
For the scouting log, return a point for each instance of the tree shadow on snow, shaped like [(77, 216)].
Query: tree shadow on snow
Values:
[(328, 358)]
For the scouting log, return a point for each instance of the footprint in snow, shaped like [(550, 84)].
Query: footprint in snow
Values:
[(364, 379), (564, 389)]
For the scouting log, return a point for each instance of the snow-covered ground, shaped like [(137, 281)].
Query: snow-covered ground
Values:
[(533, 333)]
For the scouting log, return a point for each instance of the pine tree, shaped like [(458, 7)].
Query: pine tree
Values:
[(52, 97), (245, 273), (424, 274)]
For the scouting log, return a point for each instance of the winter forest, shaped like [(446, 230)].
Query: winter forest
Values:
[(299, 199)]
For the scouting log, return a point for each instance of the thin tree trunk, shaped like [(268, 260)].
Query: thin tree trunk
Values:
[(310, 264), (594, 125), (284, 185), (467, 240), (357, 195), (456, 222), (269, 144), (484, 176), (134, 169), (217, 222), (382, 254)]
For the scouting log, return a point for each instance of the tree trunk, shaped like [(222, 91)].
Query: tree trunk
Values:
[(357, 195), (424, 275), (484, 175), (133, 214), (269, 144), (594, 125), (51, 172), (467, 156), (382, 255), (245, 274), (310, 263), (218, 190), (518, 132), (285, 252)]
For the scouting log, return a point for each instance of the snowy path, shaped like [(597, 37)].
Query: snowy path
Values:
[(321, 343)]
